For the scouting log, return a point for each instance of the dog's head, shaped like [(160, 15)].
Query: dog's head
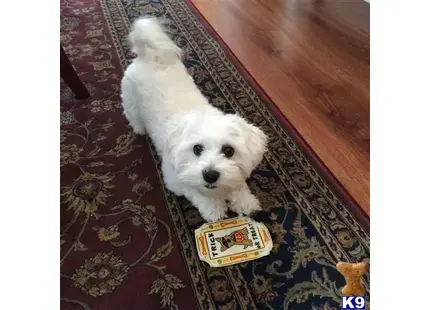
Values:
[(239, 237), (215, 152), (226, 242)]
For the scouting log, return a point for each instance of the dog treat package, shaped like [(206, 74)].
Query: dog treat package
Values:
[(232, 241)]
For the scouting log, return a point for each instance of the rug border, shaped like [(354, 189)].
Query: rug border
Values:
[(313, 158)]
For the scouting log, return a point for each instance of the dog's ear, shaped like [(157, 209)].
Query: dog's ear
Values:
[(244, 231), (177, 132), (223, 247), (255, 143)]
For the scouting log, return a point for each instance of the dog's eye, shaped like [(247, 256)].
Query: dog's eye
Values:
[(198, 149), (227, 150)]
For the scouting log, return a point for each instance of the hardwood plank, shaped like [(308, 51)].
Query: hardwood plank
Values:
[(312, 59)]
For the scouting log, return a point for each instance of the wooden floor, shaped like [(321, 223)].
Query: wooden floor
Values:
[(312, 58)]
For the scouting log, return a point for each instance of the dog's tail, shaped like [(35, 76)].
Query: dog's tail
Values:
[(149, 40)]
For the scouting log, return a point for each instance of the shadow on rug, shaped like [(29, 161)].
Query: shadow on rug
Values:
[(127, 243)]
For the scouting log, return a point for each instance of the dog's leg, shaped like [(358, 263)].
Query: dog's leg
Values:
[(130, 103), (243, 202), (171, 180), (135, 124), (210, 209)]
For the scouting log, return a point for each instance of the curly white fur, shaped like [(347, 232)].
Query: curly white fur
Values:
[(191, 136)]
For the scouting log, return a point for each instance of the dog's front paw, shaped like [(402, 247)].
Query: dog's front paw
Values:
[(245, 204), (216, 215), (214, 211), (138, 130), (211, 210), (177, 190)]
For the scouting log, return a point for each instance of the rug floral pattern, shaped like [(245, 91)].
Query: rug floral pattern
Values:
[(127, 242)]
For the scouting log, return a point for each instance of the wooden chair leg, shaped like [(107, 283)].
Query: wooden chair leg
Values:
[(69, 76)]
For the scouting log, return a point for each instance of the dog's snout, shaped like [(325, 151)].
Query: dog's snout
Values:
[(211, 176)]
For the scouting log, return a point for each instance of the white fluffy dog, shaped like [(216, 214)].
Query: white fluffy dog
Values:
[(206, 155)]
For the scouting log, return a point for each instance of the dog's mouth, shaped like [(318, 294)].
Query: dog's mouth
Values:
[(210, 186)]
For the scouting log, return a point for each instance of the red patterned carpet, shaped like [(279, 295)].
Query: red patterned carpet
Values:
[(127, 242)]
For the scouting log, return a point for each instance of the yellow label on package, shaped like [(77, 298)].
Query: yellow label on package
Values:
[(232, 241)]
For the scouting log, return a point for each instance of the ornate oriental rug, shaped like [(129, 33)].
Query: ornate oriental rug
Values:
[(127, 242)]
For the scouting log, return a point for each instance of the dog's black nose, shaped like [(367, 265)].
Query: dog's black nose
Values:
[(210, 176)]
